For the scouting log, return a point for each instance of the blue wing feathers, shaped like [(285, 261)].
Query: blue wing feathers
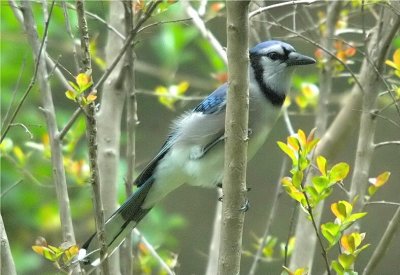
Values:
[(214, 102)]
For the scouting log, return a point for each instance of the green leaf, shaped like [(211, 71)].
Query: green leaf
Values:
[(303, 162), (20, 155), (6, 146), (337, 267), (320, 183), (287, 150), (339, 172), (372, 190), (341, 210), (357, 251), (70, 95), (346, 261), (76, 88), (297, 179), (302, 137), (312, 192), (321, 163), (331, 232), (356, 216)]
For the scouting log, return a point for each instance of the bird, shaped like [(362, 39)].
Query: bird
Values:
[(193, 152)]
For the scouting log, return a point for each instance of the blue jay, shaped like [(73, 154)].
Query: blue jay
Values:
[(194, 151)]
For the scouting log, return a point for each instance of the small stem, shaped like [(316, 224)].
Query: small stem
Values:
[(324, 254)]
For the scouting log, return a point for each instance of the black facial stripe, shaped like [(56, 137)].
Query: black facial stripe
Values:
[(287, 52), (275, 98)]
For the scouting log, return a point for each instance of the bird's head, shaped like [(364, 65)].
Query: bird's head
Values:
[(273, 63)]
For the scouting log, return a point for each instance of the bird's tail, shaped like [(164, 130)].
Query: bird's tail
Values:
[(118, 226)]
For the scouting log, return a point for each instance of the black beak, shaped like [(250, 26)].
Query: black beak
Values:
[(295, 59)]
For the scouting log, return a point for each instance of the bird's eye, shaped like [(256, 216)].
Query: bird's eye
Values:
[(273, 56)]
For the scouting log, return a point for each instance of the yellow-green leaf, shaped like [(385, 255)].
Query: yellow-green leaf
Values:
[(82, 80), (302, 137), (346, 260), (297, 179), (321, 163), (339, 172), (351, 242), (294, 143), (341, 209), (331, 232), (19, 154), (372, 190), (70, 95), (337, 267), (6, 146), (286, 149)]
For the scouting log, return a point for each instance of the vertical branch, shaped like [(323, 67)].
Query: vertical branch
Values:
[(109, 121), (50, 117), (365, 147), (6, 260), (236, 128), (383, 244), (91, 133), (213, 252), (126, 255)]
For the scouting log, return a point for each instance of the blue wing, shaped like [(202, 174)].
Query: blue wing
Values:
[(215, 102)]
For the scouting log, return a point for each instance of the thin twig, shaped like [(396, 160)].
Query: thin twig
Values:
[(69, 32), (324, 254), (384, 243), (14, 93), (126, 45), (153, 252), (35, 72), (23, 127), (10, 188), (383, 202), (201, 26), (288, 3), (384, 143), (101, 20), (318, 45), (271, 218)]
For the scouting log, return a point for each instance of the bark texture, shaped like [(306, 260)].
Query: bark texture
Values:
[(236, 125)]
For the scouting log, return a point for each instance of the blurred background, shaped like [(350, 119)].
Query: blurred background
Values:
[(170, 57)]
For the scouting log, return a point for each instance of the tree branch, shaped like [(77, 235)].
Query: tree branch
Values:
[(91, 133), (236, 128), (50, 116), (126, 255), (7, 261), (383, 244)]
